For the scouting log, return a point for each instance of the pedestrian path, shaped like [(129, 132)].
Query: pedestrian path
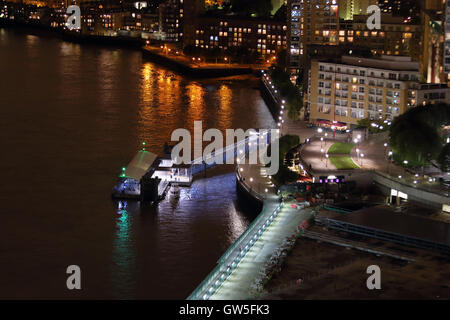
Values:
[(238, 285)]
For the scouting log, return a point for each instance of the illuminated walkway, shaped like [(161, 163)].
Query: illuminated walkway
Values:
[(238, 285)]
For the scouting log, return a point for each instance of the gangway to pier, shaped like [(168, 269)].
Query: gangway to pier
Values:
[(232, 151), (167, 171)]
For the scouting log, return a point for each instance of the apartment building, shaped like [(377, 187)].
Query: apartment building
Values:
[(430, 93), (352, 88), (264, 36), (310, 22), (349, 8), (447, 38), (397, 36), (404, 8)]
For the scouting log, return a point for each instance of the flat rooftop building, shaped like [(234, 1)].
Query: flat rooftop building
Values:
[(385, 224), (351, 88)]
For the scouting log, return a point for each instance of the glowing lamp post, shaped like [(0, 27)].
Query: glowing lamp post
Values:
[(405, 162), (326, 163), (389, 161)]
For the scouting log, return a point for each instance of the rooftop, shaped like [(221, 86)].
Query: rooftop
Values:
[(385, 219), (394, 63)]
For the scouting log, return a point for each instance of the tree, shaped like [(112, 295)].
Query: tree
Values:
[(291, 92), (444, 158), (416, 135), (284, 174), (367, 123)]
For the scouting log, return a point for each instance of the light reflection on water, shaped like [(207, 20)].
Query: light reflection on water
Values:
[(73, 116), (123, 250), (184, 228)]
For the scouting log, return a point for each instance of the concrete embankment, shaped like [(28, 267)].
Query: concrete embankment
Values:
[(129, 42), (74, 37), (271, 101), (193, 71), (249, 197)]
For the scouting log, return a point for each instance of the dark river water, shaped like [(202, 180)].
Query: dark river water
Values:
[(70, 117)]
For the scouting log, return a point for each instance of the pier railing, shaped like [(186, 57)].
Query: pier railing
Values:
[(220, 157), (234, 254)]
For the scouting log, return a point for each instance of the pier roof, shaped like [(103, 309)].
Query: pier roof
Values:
[(139, 165)]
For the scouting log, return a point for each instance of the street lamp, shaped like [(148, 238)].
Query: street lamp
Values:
[(405, 162), (389, 161), (362, 157), (357, 153), (326, 163), (321, 153)]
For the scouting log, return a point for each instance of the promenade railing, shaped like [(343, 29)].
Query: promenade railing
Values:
[(237, 251)]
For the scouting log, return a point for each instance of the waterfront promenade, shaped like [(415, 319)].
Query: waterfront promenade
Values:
[(240, 266), (238, 285)]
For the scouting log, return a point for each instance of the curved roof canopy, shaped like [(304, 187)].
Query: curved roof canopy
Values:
[(140, 164)]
